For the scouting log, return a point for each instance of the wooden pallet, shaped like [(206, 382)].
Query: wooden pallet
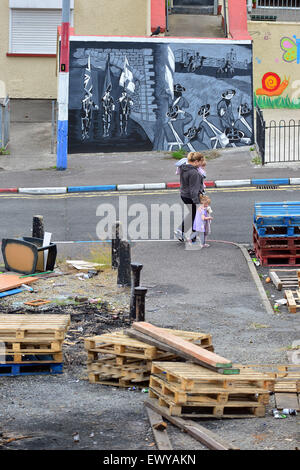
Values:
[(211, 396), (293, 300), (191, 377), (118, 343), (36, 357), (137, 371), (33, 327), (230, 409), (285, 278), (95, 378)]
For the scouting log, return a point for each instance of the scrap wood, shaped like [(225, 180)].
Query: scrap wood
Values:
[(192, 351), (37, 302), (84, 265), (13, 281), (165, 347), (198, 432), (12, 439), (159, 430)]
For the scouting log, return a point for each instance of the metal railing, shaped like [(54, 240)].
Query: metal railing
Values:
[(281, 10), (4, 122), (277, 142)]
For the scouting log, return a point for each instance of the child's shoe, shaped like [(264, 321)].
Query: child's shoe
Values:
[(190, 245)]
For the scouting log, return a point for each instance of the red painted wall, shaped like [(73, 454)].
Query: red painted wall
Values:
[(158, 15), (237, 17)]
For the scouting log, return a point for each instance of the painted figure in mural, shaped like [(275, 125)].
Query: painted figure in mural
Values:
[(244, 123), (212, 129), (224, 108), (178, 118), (225, 69), (87, 106), (108, 108), (194, 62), (126, 104)]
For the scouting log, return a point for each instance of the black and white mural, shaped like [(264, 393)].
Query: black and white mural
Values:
[(138, 94)]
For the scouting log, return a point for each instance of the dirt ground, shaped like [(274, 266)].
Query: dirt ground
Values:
[(66, 412)]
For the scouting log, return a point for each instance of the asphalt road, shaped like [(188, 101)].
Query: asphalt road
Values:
[(74, 216)]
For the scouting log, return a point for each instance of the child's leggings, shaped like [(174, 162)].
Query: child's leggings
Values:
[(202, 236)]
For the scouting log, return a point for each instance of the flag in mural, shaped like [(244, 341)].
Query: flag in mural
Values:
[(87, 103), (126, 78)]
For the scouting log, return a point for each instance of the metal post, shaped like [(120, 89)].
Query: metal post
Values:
[(63, 89), (38, 226), (135, 282), (124, 271), (115, 244), (140, 294), (225, 19)]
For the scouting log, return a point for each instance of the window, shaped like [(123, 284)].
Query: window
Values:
[(33, 26)]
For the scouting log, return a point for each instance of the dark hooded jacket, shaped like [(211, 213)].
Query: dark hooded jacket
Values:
[(191, 183)]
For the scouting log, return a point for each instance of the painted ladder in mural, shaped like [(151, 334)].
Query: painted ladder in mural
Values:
[(138, 94)]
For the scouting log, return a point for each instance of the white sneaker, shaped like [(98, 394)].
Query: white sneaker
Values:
[(179, 235)]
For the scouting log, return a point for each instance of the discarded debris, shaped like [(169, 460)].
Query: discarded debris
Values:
[(84, 265)]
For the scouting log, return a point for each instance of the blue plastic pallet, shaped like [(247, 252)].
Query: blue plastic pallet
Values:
[(286, 213), (287, 231), (30, 369)]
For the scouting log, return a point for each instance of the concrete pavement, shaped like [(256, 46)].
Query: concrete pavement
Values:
[(31, 163)]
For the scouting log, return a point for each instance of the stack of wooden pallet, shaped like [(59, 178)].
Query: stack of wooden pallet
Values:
[(120, 360), (276, 233), (286, 383), (32, 344), (189, 390)]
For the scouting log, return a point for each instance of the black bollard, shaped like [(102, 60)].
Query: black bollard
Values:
[(140, 294), (115, 244), (38, 226), (124, 271), (135, 282)]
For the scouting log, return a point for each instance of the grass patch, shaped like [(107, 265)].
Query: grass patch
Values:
[(256, 160), (179, 154), (275, 102), (209, 154), (102, 256)]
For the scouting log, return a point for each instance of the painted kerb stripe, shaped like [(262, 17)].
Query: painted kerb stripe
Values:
[(173, 185), (75, 189), (124, 187), (43, 190), (271, 181), (294, 180), (9, 190), (226, 183), (154, 185)]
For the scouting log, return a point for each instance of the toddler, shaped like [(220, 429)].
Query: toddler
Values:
[(203, 220)]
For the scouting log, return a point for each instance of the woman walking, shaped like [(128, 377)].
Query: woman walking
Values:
[(191, 187)]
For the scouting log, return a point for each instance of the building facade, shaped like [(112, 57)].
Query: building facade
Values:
[(28, 37)]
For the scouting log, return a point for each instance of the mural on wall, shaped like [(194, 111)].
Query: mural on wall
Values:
[(291, 49), (272, 85), (146, 95)]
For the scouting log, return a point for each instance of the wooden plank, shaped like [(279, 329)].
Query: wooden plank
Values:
[(292, 306), (12, 281), (161, 436), (275, 279), (194, 351), (287, 400), (198, 432), (165, 347)]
